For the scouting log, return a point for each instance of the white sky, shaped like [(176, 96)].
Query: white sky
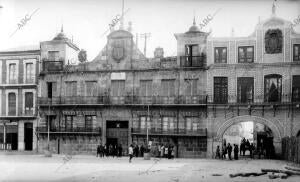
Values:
[(87, 20)]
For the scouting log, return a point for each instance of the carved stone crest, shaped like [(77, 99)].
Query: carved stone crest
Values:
[(273, 41), (118, 50)]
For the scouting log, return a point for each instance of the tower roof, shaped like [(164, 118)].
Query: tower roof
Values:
[(61, 35), (194, 28)]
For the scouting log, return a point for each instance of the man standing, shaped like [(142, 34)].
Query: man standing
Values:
[(229, 149), (130, 152), (236, 152), (224, 151), (218, 155)]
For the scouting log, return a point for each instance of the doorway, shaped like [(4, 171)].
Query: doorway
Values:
[(117, 133), (12, 137), (28, 136)]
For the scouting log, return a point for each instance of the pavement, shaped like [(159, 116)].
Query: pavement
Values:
[(89, 168)]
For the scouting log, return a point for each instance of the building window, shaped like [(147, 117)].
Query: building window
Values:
[(191, 124), (220, 90), (190, 87), (245, 89), (12, 77), (193, 57), (89, 122), (246, 54), (146, 88), (28, 103), (191, 50), (296, 89), (51, 89), (273, 87), (220, 55), (50, 121), (12, 104), (29, 73), (168, 124), (168, 88), (91, 88), (69, 122), (118, 87), (53, 55), (296, 52), (71, 88), (145, 122), (273, 41)]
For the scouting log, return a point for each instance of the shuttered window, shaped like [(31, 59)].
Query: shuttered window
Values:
[(12, 104), (28, 103), (91, 88), (29, 73), (246, 54), (146, 87), (220, 89), (245, 89), (118, 87), (69, 123), (273, 88), (220, 55), (71, 88), (12, 73), (168, 88), (296, 89), (191, 87), (296, 52)]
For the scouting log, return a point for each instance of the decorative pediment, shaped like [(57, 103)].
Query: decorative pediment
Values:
[(274, 22)]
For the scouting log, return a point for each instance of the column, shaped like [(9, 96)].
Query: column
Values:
[(21, 136)]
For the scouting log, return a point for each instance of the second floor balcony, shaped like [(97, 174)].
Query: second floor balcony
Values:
[(71, 130), (124, 100), (175, 131), (193, 61)]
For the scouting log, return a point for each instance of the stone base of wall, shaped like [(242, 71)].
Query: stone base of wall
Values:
[(70, 145)]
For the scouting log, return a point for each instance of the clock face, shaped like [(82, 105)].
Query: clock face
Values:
[(118, 50)]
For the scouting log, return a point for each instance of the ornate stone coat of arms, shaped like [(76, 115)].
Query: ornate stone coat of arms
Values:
[(273, 41), (118, 50)]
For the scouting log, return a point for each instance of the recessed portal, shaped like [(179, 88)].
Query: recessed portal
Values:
[(245, 133)]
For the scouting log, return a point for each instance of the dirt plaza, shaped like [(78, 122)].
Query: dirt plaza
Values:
[(89, 168)]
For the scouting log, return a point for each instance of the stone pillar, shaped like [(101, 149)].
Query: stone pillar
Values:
[(34, 140), (4, 135), (21, 136), (103, 131), (129, 132)]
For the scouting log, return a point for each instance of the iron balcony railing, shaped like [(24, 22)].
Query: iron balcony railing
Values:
[(175, 131), (122, 100), (48, 65), (75, 130), (193, 61), (258, 99)]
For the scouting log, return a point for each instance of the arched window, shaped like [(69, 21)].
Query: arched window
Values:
[(273, 88), (12, 104)]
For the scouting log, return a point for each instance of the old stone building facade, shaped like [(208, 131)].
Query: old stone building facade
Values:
[(18, 97), (187, 101), (255, 78)]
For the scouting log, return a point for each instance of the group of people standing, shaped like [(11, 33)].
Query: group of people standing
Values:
[(109, 150), (166, 151), (228, 149)]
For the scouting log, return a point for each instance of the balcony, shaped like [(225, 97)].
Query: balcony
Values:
[(124, 100), (176, 131), (74, 130), (254, 100), (193, 61), (49, 66), (28, 113)]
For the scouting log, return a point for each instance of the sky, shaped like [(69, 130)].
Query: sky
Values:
[(88, 20)]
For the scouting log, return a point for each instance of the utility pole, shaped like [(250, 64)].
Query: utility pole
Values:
[(145, 36)]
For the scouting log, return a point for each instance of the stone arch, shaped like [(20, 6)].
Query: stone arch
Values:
[(224, 126)]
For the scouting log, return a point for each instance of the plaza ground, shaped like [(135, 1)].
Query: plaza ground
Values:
[(89, 168)]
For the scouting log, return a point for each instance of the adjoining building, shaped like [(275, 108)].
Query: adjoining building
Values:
[(255, 78), (19, 68)]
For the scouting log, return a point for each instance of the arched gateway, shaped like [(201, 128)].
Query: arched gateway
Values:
[(274, 125)]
